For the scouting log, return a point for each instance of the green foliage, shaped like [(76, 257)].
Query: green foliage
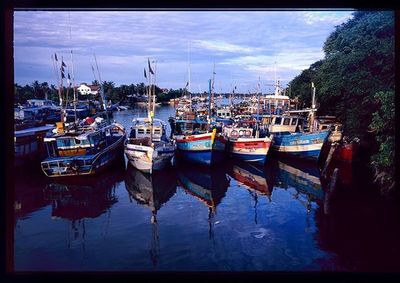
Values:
[(357, 71), (165, 97), (115, 94), (383, 126), (359, 62)]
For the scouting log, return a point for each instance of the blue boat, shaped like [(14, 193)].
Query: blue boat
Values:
[(302, 145), (195, 143), (295, 135), (83, 149)]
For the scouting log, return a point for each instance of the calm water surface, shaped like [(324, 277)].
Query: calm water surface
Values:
[(233, 217)]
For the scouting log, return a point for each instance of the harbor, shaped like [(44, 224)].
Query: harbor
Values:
[(193, 218), (264, 168)]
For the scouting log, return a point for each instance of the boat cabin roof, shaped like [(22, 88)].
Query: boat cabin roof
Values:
[(146, 122), (192, 121)]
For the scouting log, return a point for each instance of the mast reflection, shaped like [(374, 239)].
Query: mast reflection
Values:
[(152, 191), (207, 184), (254, 178)]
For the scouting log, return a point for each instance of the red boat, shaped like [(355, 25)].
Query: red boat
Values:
[(346, 151)]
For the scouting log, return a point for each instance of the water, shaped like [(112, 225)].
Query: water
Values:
[(233, 217)]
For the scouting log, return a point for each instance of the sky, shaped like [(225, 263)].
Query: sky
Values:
[(245, 46)]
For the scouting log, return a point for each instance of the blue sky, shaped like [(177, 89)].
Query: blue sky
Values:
[(244, 45)]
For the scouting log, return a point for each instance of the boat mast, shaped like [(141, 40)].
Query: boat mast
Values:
[(312, 107), (258, 106), (72, 65), (190, 93), (73, 83), (151, 94), (209, 100), (212, 86), (55, 67), (102, 95)]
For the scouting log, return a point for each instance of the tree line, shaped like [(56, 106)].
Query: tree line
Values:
[(113, 93), (355, 82)]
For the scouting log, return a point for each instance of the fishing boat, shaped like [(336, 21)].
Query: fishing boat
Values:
[(196, 140), (296, 136), (244, 143), (148, 147), (82, 147), (28, 144)]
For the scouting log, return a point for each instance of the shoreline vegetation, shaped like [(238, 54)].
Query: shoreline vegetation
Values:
[(355, 79)]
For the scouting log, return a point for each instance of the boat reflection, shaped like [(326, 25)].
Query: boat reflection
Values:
[(252, 176), (77, 199), (152, 191), (304, 177), (83, 198), (27, 193), (207, 184)]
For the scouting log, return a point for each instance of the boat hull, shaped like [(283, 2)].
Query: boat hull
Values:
[(201, 149), (83, 165), (300, 145), (249, 150), (147, 159)]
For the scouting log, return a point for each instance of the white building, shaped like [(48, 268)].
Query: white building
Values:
[(85, 89)]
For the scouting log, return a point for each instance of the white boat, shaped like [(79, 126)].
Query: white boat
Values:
[(146, 153), (148, 147)]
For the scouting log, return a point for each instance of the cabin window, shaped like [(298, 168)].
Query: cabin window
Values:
[(95, 138), (294, 121), (278, 121), (65, 142), (147, 131), (228, 114), (286, 121), (324, 127), (140, 131)]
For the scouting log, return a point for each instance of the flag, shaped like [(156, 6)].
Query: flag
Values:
[(145, 75), (55, 56), (150, 70), (69, 79), (187, 84), (63, 64), (62, 75)]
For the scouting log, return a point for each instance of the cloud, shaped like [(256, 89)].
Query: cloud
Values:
[(315, 18), (243, 44), (219, 45)]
